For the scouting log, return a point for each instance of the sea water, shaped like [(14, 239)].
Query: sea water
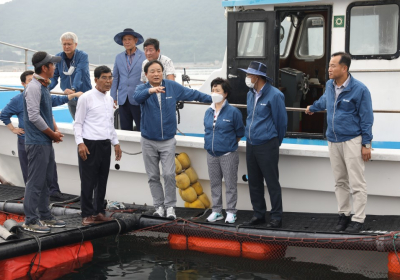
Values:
[(129, 258)]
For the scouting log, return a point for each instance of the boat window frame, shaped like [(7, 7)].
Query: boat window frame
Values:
[(237, 39), (347, 36), (290, 39), (300, 37)]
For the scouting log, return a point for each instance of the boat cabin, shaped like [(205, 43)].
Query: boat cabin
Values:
[(295, 39)]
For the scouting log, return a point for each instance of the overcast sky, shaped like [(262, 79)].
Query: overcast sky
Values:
[(4, 1)]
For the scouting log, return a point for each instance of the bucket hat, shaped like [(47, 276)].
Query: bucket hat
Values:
[(128, 31), (257, 68)]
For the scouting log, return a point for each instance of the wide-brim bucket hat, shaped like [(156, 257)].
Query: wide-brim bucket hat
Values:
[(257, 68), (128, 31)]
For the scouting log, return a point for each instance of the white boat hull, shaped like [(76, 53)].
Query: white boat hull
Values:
[(305, 173)]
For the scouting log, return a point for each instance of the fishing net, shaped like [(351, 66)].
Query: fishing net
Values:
[(370, 256)]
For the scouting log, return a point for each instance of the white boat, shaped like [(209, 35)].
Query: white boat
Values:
[(295, 39)]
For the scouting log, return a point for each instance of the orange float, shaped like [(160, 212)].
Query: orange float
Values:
[(252, 250), (54, 263), (393, 263)]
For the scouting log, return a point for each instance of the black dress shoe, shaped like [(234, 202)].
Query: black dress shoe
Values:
[(254, 221), (354, 227), (342, 222), (274, 224), (57, 194)]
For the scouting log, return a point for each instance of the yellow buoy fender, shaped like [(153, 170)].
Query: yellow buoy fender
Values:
[(182, 181), (197, 204), (184, 160), (187, 204), (198, 188), (192, 175), (188, 195), (178, 166), (204, 199)]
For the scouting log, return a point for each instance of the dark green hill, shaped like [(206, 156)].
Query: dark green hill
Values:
[(185, 28)]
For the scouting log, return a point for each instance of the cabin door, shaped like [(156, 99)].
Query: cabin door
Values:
[(251, 37)]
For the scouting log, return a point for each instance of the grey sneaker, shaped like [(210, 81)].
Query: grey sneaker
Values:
[(159, 212), (36, 226), (171, 213), (52, 222)]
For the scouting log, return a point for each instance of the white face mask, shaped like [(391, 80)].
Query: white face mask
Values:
[(216, 97), (70, 71), (249, 83)]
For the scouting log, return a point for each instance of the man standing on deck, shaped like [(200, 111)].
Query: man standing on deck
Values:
[(40, 131), (94, 134), (16, 107), (350, 118), (126, 73), (152, 51), (73, 70), (158, 99), (265, 129)]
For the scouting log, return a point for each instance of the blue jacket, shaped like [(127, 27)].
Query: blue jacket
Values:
[(350, 115), (159, 123), (268, 118), (125, 82), (81, 76), (16, 107), (222, 138)]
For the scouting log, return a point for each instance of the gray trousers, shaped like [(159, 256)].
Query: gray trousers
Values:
[(72, 107), (40, 175), (226, 167), (23, 161), (154, 152)]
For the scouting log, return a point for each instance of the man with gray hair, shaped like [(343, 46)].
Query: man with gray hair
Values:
[(73, 69)]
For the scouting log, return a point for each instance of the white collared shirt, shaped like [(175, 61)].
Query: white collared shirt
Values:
[(258, 93), (169, 68), (216, 113), (94, 118)]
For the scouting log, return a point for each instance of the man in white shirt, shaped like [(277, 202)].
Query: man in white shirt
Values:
[(152, 52), (94, 134)]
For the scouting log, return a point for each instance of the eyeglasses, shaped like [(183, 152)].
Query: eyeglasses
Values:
[(104, 78)]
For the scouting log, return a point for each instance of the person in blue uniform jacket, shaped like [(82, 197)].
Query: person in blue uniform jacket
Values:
[(16, 107), (265, 129), (157, 99), (350, 118), (223, 129), (73, 70)]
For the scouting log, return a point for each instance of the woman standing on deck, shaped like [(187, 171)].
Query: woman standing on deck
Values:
[(223, 129)]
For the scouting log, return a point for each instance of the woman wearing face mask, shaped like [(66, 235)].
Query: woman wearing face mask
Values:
[(223, 129)]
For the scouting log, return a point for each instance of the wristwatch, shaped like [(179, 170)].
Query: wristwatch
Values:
[(368, 146), (73, 89)]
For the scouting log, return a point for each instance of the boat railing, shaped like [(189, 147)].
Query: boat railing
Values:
[(241, 106), (25, 62)]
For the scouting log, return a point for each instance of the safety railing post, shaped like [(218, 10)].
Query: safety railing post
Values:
[(26, 59)]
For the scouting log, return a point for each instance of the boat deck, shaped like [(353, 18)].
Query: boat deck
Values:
[(295, 225)]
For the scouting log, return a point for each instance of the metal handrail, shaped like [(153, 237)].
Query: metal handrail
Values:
[(26, 55), (291, 109)]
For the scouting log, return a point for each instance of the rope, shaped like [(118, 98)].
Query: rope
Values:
[(131, 154), (34, 257), (65, 201), (119, 231), (394, 246)]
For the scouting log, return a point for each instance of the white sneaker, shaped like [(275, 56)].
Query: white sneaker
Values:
[(171, 213), (230, 218), (215, 216), (159, 212)]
